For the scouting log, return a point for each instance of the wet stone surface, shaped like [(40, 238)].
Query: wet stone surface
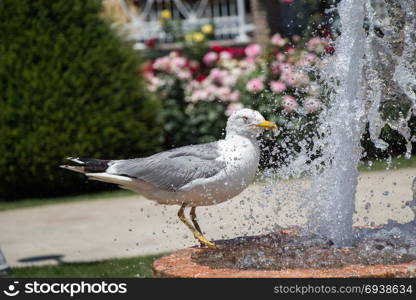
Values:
[(293, 249)]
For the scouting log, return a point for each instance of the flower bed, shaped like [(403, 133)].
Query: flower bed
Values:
[(279, 80)]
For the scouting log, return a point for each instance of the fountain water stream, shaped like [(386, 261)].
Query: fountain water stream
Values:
[(373, 65), (334, 190)]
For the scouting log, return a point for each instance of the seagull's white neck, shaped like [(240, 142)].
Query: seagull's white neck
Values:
[(233, 135), (238, 139)]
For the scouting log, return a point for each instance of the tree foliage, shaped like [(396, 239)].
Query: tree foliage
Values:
[(69, 87)]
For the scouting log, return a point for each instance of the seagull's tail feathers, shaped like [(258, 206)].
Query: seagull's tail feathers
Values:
[(122, 181), (87, 165)]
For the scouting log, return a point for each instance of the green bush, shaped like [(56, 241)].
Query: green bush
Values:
[(69, 87)]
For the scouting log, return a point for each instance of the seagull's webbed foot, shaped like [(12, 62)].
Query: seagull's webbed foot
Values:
[(195, 230)]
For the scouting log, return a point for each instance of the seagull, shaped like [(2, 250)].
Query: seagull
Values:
[(189, 176)]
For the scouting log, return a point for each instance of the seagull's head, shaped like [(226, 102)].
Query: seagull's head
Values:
[(247, 122)]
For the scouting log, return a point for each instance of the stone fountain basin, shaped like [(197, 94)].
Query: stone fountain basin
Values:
[(226, 262)]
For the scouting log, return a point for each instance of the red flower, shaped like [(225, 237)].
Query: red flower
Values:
[(329, 49), (193, 69), (148, 67), (326, 32), (289, 49), (238, 52), (150, 43), (216, 48), (200, 77)]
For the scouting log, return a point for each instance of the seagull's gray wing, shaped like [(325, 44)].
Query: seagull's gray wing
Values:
[(173, 169)]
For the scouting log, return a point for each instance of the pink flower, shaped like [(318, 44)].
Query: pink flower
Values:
[(294, 79), (316, 44), (289, 103), (178, 62), (148, 75), (234, 96), (255, 85), (311, 58), (162, 63), (249, 60), (223, 93), (296, 38), (277, 86), (307, 59), (286, 1), (199, 95), (233, 107), (210, 58), (253, 50), (212, 91), (285, 68), (278, 40), (184, 75), (173, 54), (311, 104), (275, 68), (217, 75), (280, 57)]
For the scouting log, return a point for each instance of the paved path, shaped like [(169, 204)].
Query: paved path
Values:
[(129, 226)]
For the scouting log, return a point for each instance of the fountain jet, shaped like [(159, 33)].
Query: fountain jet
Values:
[(374, 64)]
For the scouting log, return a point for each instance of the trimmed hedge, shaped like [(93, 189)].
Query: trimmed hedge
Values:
[(69, 87)]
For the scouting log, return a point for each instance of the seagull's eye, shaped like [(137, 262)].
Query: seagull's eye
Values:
[(245, 118)]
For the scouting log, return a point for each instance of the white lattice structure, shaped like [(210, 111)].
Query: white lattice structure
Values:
[(229, 17)]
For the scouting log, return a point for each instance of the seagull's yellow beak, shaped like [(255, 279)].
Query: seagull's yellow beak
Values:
[(267, 125)]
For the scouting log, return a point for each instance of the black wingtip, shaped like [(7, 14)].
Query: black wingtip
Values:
[(91, 165)]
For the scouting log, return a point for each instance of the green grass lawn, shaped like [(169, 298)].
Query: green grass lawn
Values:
[(122, 267), (381, 165)]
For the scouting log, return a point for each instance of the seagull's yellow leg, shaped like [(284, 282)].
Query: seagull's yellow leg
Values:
[(203, 240), (193, 219)]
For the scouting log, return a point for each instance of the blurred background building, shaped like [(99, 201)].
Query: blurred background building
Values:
[(235, 21)]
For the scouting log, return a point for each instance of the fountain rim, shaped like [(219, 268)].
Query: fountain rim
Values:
[(179, 264)]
